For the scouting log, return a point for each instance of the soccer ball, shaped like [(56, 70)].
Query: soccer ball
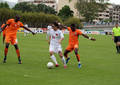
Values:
[(50, 65)]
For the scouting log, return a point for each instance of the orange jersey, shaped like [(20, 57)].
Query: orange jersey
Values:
[(73, 36), (4, 31), (13, 27)]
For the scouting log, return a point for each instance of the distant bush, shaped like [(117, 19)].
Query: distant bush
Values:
[(30, 18)]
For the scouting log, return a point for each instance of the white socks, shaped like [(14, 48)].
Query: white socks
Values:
[(54, 59), (63, 60)]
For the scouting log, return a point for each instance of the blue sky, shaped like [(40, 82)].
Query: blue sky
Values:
[(111, 1)]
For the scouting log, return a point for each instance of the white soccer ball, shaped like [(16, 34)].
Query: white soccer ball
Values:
[(50, 65)]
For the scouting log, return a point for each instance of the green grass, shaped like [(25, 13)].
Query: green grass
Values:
[(100, 63)]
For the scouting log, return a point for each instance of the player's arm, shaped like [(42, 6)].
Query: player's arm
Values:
[(49, 39), (62, 37), (90, 38), (3, 28), (28, 30), (112, 35)]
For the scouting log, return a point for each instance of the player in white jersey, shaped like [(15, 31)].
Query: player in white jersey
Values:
[(55, 38)]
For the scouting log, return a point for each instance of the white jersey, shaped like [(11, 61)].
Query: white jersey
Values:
[(55, 37), (55, 46)]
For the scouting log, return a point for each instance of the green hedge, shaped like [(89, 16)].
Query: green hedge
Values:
[(32, 19)]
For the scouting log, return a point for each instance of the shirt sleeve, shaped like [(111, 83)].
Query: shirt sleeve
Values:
[(21, 24), (61, 34), (9, 22), (79, 32), (2, 25), (113, 30), (68, 28)]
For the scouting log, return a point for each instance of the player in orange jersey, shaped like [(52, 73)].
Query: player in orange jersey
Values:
[(4, 31), (74, 43), (12, 26)]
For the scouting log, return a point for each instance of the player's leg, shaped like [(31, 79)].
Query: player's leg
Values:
[(117, 45), (78, 57), (62, 58), (52, 56), (6, 52), (66, 55), (18, 53)]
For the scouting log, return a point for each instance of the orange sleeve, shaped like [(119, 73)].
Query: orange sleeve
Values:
[(9, 21), (79, 32), (21, 24), (69, 28), (2, 25)]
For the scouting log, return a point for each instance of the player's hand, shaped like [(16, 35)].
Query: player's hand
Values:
[(33, 33), (93, 39)]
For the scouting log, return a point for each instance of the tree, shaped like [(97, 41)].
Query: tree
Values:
[(46, 9), (65, 12), (89, 8), (26, 7), (4, 5)]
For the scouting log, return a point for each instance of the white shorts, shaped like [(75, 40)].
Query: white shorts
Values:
[(55, 48)]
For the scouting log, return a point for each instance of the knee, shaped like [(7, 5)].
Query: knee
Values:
[(7, 46), (65, 53), (16, 46), (51, 53), (60, 54)]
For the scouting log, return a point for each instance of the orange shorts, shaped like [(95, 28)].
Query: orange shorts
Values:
[(72, 47), (11, 39)]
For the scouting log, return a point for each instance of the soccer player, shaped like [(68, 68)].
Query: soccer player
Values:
[(74, 43), (55, 39), (4, 31), (116, 37), (12, 26)]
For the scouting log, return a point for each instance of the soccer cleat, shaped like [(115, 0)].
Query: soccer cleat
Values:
[(20, 62), (79, 65), (4, 61), (57, 65), (65, 66), (67, 60)]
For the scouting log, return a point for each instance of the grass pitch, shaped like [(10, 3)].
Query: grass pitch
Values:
[(100, 63)]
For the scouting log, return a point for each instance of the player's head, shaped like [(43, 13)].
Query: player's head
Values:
[(73, 27), (17, 18), (117, 25), (55, 26)]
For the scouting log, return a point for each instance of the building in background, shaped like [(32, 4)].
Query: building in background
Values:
[(112, 11)]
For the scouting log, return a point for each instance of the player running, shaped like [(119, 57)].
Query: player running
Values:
[(12, 26), (55, 39), (74, 43)]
